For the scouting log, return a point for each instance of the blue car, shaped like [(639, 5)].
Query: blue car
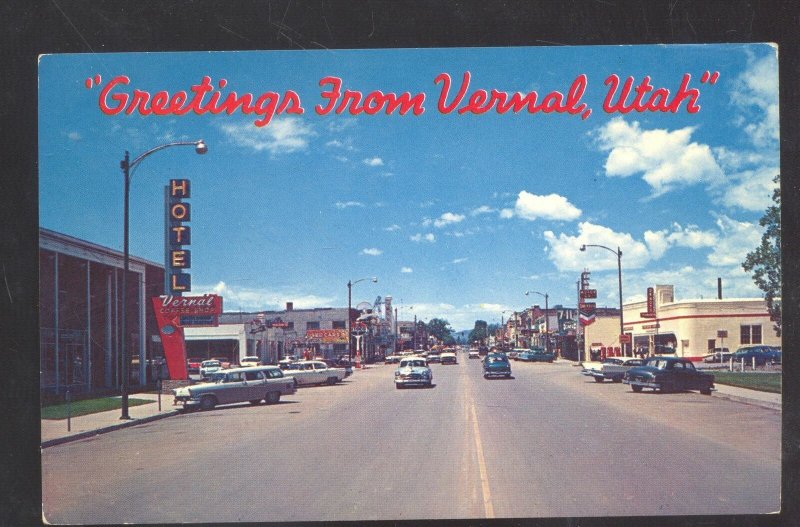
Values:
[(761, 354), (496, 365)]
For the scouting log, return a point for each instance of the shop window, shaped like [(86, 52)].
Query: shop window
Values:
[(755, 334), (339, 324), (744, 334), (312, 325)]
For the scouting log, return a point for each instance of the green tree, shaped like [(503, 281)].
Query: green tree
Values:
[(441, 329), (765, 261), (480, 332)]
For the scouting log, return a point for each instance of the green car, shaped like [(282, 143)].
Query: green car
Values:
[(536, 355), (496, 365)]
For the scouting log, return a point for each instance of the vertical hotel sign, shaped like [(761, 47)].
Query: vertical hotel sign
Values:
[(178, 235)]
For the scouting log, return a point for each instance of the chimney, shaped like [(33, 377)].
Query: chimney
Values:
[(719, 288), (289, 306)]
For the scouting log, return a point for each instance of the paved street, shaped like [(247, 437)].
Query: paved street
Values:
[(547, 443)]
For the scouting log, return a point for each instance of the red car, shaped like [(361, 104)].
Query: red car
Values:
[(194, 364)]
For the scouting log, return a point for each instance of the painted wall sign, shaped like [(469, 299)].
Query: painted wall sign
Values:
[(327, 336)]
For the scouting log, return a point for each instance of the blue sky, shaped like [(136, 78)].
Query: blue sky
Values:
[(456, 214)]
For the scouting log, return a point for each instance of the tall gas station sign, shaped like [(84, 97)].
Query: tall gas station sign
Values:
[(177, 236)]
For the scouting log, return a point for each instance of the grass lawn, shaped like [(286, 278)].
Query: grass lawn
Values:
[(88, 406), (765, 382)]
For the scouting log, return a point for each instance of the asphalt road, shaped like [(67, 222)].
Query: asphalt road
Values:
[(547, 443)]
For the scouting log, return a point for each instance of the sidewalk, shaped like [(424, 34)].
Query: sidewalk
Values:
[(744, 395), (54, 432)]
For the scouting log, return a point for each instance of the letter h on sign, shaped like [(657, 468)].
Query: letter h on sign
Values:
[(177, 237)]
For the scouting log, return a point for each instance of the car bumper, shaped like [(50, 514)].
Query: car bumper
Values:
[(643, 384), (413, 382), (185, 401), (497, 373)]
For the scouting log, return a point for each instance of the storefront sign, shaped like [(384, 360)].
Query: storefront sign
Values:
[(179, 235), (722, 333), (175, 312), (651, 305), (588, 293), (586, 313), (327, 336)]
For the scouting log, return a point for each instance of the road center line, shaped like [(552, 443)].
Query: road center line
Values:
[(487, 496)]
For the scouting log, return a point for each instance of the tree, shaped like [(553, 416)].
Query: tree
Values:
[(479, 332), (441, 329), (765, 262)]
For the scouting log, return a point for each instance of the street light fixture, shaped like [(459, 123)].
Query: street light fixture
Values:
[(126, 165), (618, 252), (350, 284), (546, 322)]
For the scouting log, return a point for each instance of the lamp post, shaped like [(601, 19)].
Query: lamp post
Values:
[(618, 252), (350, 285), (126, 165), (546, 322)]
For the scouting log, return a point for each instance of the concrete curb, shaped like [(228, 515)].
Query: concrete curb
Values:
[(748, 400), (105, 429)]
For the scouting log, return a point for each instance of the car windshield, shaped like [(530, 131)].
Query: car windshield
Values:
[(661, 364), (496, 358)]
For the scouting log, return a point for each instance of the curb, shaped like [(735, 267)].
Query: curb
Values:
[(105, 429), (750, 401)]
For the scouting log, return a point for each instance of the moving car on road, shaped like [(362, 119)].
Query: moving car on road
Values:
[(496, 365), (235, 386), (449, 358), (613, 368), (413, 371), (473, 354), (669, 374), (250, 361)]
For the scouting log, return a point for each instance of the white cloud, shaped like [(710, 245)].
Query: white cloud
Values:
[(427, 204), (667, 160), (749, 190), (506, 213), (755, 93), (564, 250), (392, 228), (406, 270), (346, 204), (551, 207), (691, 236), (423, 237), (460, 260), (737, 238), (371, 252), (373, 162), (483, 209), (283, 135), (447, 218), (258, 299)]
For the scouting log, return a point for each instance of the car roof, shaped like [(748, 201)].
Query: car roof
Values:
[(251, 368)]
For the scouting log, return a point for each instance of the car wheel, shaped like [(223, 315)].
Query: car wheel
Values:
[(296, 382), (332, 381), (485, 376), (273, 397), (706, 390), (208, 402), (599, 379), (636, 388), (398, 386)]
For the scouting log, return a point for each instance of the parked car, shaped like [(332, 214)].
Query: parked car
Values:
[(207, 367), (761, 354), (340, 363), (193, 365), (308, 372), (473, 354), (223, 361), (718, 355), (413, 371), (392, 359), (434, 357), (250, 361), (612, 368), (536, 355), (669, 374), (236, 385), (496, 365), (514, 353), (449, 358)]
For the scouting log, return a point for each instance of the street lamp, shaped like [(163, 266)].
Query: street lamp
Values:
[(618, 252), (126, 165), (350, 285), (546, 322)]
